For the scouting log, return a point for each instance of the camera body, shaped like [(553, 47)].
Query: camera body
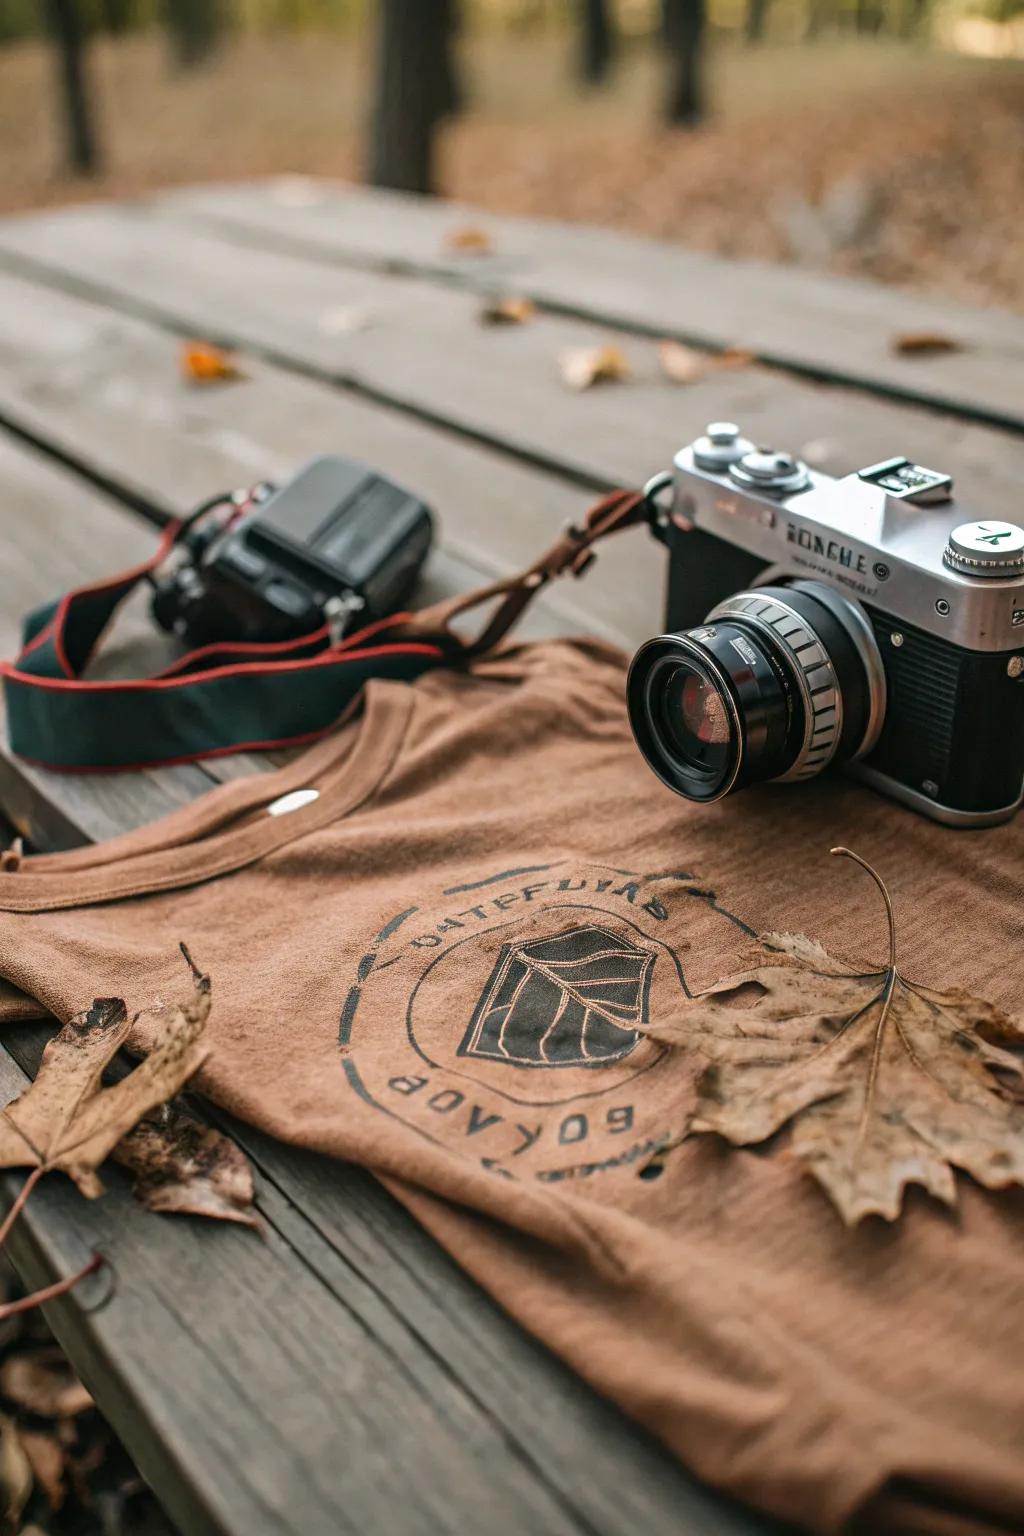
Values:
[(336, 543), (931, 601)]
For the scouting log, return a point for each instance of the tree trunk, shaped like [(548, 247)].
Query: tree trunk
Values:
[(417, 85), (451, 94), (194, 28), (597, 42), (684, 37), (116, 15), (912, 18), (757, 15), (818, 14), (65, 24)]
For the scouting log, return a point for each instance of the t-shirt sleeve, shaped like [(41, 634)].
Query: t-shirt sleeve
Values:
[(16, 1006)]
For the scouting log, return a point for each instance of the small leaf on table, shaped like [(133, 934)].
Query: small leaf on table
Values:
[(203, 363), (582, 367), (682, 364), (469, 240), (182, 1166), (507, 311), (925, 344)]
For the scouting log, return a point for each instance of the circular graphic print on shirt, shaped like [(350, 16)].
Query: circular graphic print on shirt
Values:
[(526, 1005), (506, 1019)]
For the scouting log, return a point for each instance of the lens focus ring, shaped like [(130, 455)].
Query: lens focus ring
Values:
[(812, 669)]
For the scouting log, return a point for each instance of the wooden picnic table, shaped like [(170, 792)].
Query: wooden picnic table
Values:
[(342, 1375)]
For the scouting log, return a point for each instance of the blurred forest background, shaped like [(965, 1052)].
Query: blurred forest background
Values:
[(883, 138)]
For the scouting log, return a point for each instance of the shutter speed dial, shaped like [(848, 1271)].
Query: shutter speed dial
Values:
[(988, 548)]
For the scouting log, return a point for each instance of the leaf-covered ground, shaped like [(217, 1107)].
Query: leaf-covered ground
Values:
[(63, 1472), (873, 158)]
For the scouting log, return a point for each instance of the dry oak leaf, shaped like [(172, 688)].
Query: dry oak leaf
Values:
[(203, 363), (469, 240), (15, 1476), (508, 311), (682, 364), (925, 344), (581, 367), (733, 358), (883, 1082), (44, 1383), (67, 1119), (685, 365), (181, 1166), (47, 1460)]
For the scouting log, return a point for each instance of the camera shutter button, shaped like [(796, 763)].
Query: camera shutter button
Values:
[(987, 548), (720, 446), (766, 469)]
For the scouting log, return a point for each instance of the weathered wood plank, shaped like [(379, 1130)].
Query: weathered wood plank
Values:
[(290, 1401), (104, 391), (344, 1376), (429, 355), (55, 535), (833, 328)]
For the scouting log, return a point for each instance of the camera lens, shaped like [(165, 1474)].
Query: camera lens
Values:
[(693, 721), (778, 683)]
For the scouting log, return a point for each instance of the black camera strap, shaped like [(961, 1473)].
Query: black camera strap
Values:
[(234, 697)]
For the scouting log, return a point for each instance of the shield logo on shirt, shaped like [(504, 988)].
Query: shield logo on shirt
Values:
[(572, 999)]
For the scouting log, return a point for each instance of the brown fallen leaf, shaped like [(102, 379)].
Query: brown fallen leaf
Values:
[(883, 1082), (344, 319), (685, 365), (581, 367), (67, 1120), (46, 1458), (508, 311), (180, 1165), (924, 344), (43, 1383), (682, 364), (204, 363), (15, 1475), (469, 240), (733, 357)]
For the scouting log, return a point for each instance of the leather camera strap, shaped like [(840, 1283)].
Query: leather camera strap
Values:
[(244, 697)]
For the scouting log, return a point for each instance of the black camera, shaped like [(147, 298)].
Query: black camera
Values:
[(865, 621), (337, 545)]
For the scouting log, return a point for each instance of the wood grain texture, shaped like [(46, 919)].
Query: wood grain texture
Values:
[(832, 328), (104, 391), (55, 534), (428, 356), (342, 1375)]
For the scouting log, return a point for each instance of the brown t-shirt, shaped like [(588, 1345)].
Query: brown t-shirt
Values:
[(435, 968)]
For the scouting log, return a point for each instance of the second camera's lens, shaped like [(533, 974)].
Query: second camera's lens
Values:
[(777, 683)]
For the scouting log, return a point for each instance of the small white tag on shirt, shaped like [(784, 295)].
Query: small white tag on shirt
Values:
[(292, 802)]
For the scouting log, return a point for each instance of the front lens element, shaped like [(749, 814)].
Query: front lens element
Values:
[(692, 722), (703, 710)]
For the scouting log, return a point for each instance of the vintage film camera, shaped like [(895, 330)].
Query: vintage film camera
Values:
[(337, 544), (866, 621)]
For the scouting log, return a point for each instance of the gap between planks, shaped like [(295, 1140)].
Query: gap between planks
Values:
[(582, 271)]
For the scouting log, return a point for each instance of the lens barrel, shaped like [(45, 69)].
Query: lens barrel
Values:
[(776, 684)]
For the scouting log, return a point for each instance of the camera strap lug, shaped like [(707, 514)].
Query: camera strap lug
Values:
[(339, 612)]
